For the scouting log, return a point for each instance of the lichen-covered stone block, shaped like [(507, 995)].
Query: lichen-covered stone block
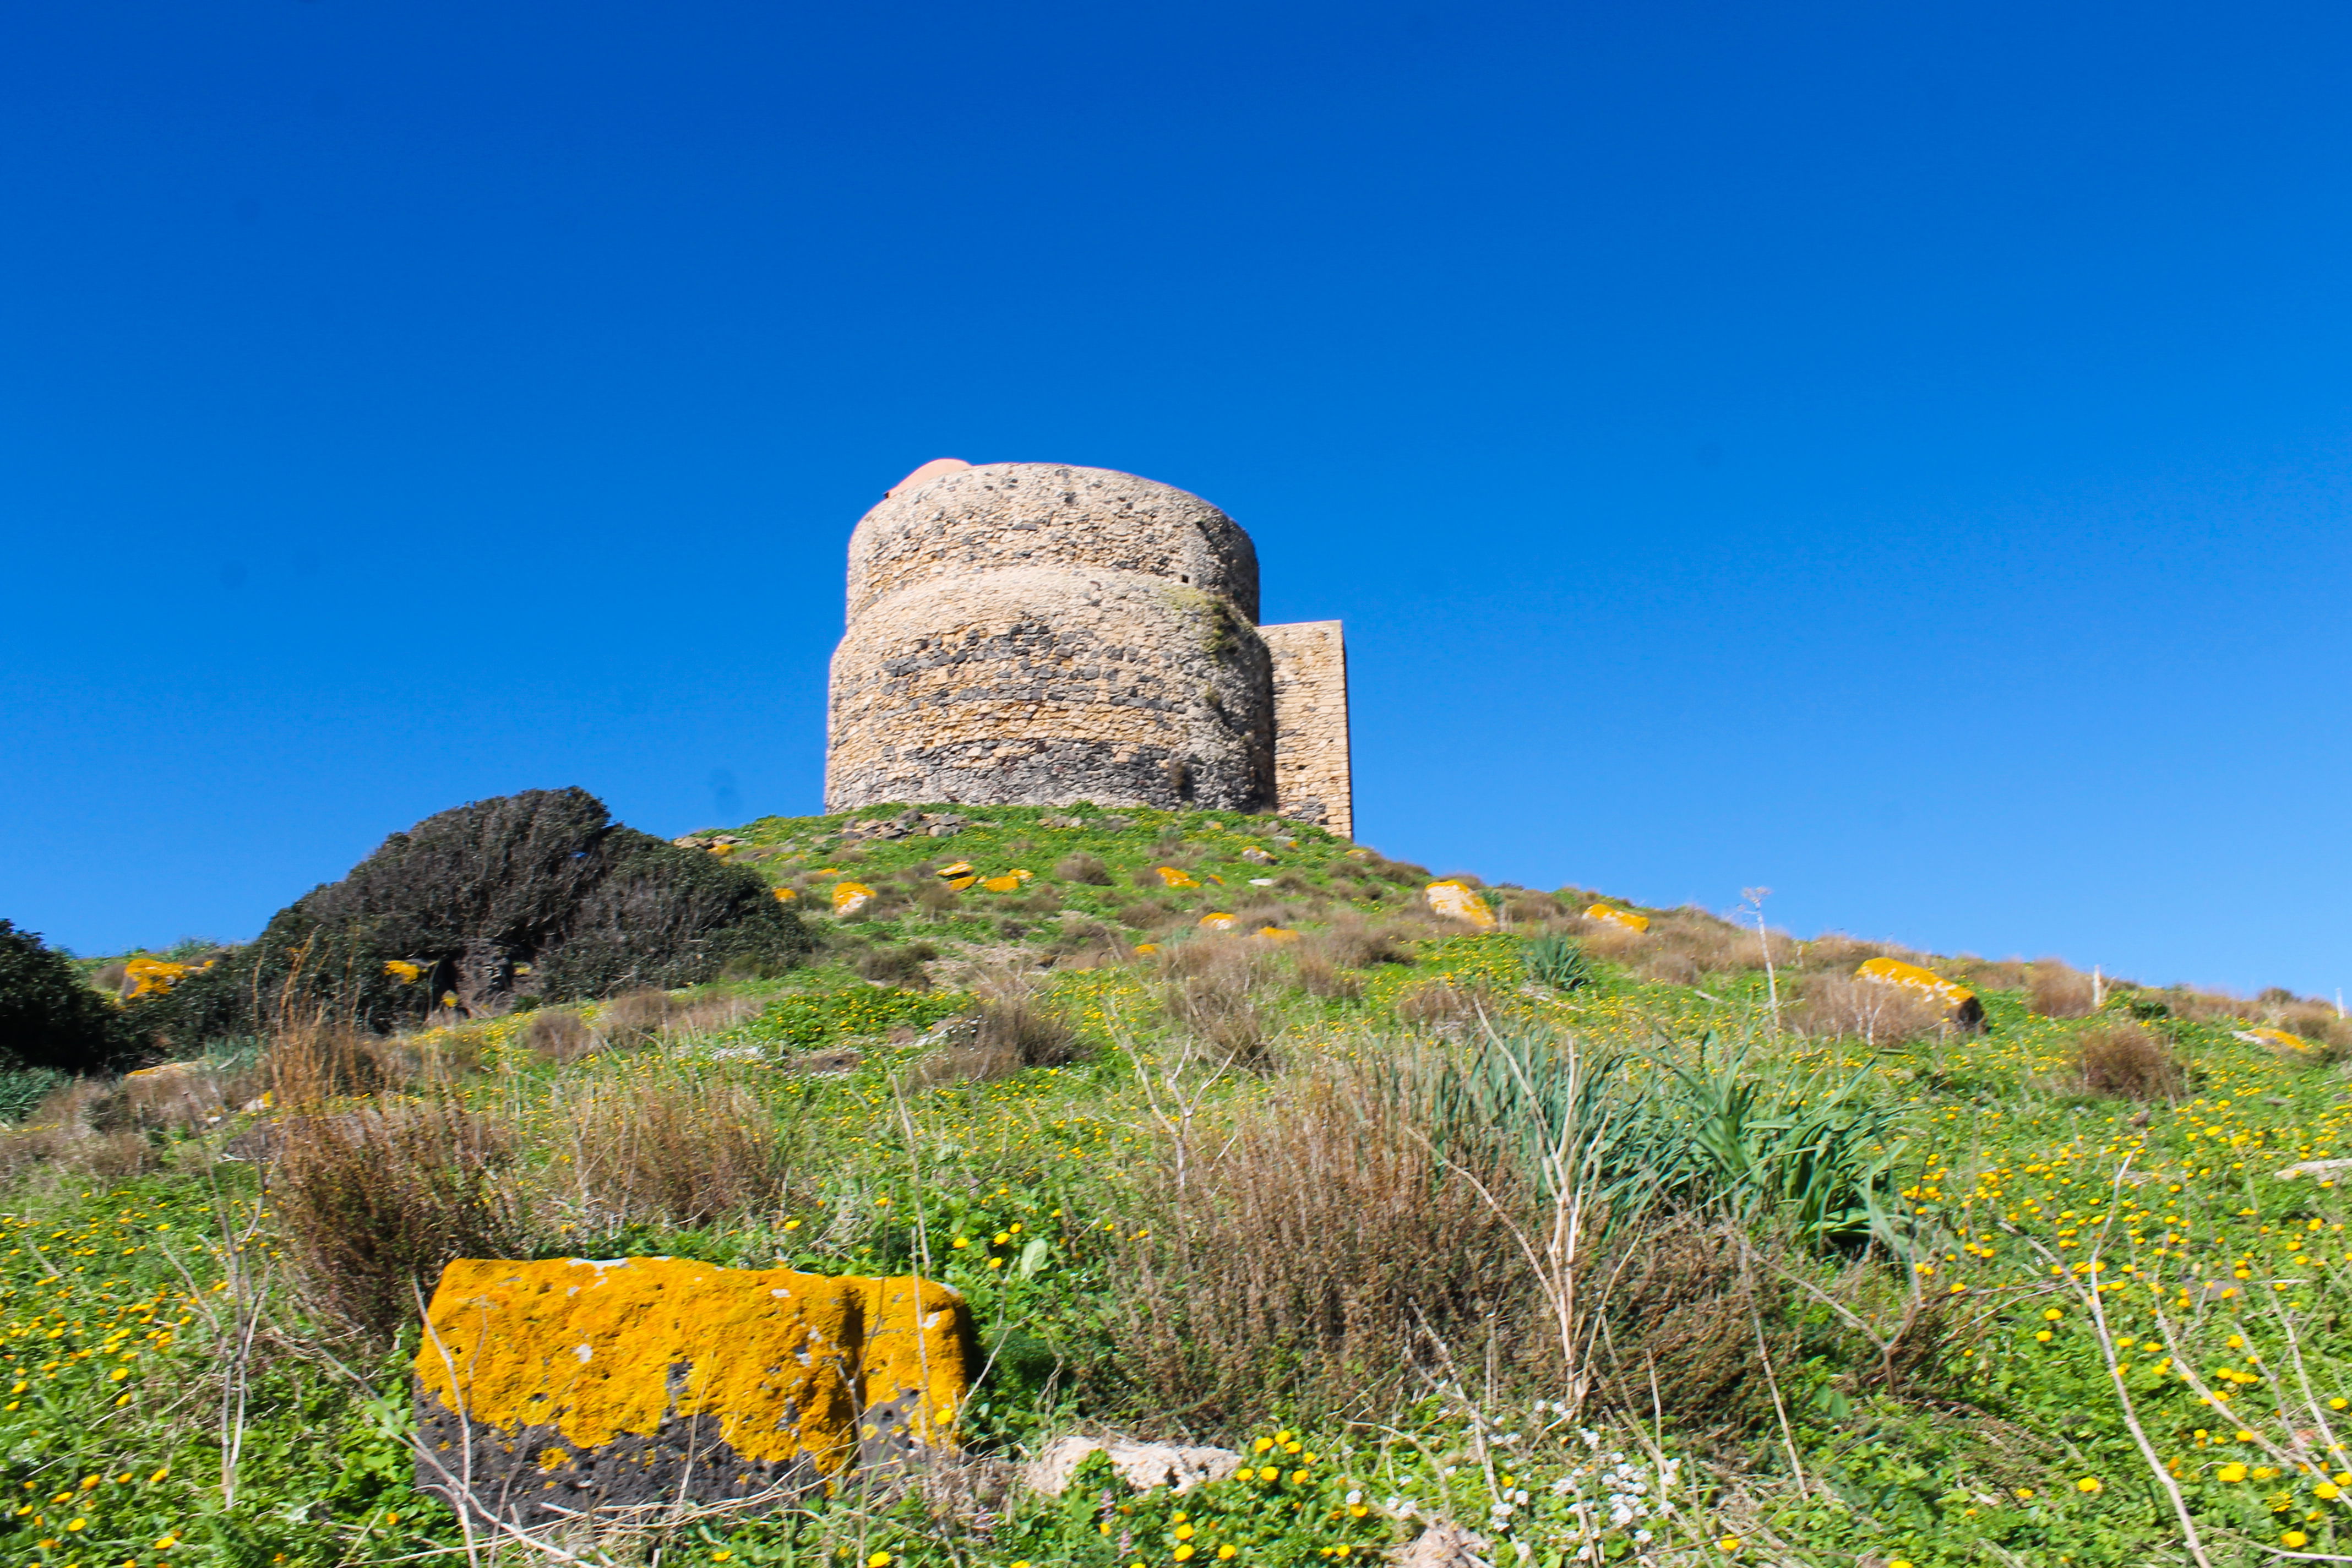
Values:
[(1459, 901), (1960, 1003), (546, 1390)]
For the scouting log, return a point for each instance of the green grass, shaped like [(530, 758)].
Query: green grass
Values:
[(1942, 1397)]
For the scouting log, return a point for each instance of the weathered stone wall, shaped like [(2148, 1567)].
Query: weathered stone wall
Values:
[(1312, 780), (1035, 634)]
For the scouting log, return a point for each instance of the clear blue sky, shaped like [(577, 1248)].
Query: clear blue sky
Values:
[(1896, 455)]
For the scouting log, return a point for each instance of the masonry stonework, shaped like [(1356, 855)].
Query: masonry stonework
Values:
[(1311, 776), (1037, 634)]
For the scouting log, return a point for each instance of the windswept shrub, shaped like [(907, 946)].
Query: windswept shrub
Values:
[(373, 1202), (2056, 989), (559, 1034), (1012, 1029), (682, 1149), (1352, 943), (2129, 1062), (73, 1129), (901, 966), (539, 893), (633, 1017), (1443, 1006), (49, 1017), (1213, 991), (1315, 1254), (1081, 868)]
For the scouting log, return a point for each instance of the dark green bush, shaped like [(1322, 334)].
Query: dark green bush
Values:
[(49, 1017), (538, 894)]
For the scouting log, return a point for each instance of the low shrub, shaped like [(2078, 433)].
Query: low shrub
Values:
[(1084, 868), (373, 1202), (559, 1034), (539, 893), (2056, 989), (680, 1149), (1315, 1252), (49, 1017), (2129, 1062)]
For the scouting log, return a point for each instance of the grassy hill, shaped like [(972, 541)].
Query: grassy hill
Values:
[(1678, 1246)]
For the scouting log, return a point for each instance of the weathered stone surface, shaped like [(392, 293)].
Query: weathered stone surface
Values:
[(1960, 1003), (1624, 919), (1143, 1466), (547, 1389), (1313, 781), (1445, 1544), (1042, 634), (1458, 900)]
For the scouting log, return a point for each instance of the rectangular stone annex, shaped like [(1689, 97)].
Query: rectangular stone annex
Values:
[(1312, 779)]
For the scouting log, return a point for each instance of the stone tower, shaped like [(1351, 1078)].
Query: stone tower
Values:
[(1034, 634)]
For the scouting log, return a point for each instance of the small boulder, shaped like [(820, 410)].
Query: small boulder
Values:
[(1960, 1003), (547, 1390), (1623, 920), (1445, 1545), (1460, 901), (1143, 1466)]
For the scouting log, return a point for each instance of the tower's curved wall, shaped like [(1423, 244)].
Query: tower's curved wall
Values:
[(1037, 634)]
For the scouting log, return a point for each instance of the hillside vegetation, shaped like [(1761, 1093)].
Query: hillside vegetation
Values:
[(1679, 1245)]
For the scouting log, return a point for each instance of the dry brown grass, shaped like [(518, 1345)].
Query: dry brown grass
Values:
[(373, 1201), (1351, 942), (1442, 1005), (1682, 1312), (2128, 1062), (1086, 869), (684, 1148), (1868, 1010), (1215, 989), (2317, 1022), (559, 1034), (1987, 974), (635, 1017), (1322, 977), (2056, 989), (310, 1066), (1013, 1029), (1523, 907), (1837, 951), (1314, 1254), (78, 1129)]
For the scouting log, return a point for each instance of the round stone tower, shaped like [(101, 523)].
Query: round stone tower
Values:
[(1034, 634)]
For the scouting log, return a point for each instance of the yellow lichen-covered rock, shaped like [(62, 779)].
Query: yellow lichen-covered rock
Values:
[(848, 898), (553, 1387), (1219, 921), (1170, 876), (1277, 933), (1010, 882), (1460, 901), (1625, 919), (1957, 1001), (2263, 1035)]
